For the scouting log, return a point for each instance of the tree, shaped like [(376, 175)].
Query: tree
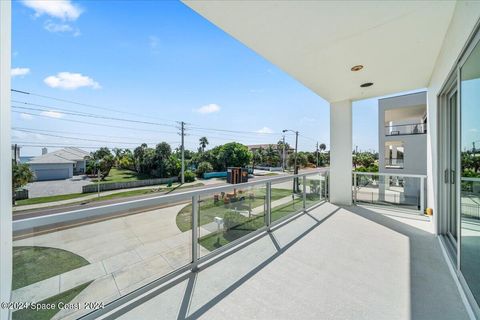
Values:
[(233, 154), (302, 159), (203, 141), (364, 159), (272, 156), (257, 157), (21, 176), (322, 147), (103, 161), (203, 167)]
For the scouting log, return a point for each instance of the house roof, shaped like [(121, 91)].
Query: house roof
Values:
[(71, 153), (66, 155)]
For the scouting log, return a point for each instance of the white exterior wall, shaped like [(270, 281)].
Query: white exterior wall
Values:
[(341, 152), (415, 145), (5, 160), (464, 19), (52, 166)]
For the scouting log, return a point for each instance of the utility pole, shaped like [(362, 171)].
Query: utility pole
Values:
[(283, 155), (317, 154), (183, 150), (295, 169)]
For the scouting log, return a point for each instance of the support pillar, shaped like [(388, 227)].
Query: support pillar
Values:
[(341, 152), (5, 159)]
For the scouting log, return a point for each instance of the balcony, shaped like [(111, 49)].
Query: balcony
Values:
[(406, 129), (337, 263), (394, 163), (227, 250)]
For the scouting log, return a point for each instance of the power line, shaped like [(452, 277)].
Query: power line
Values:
[(80, 114), (72, 132), (86, 104), (91, 123), (83, 139)]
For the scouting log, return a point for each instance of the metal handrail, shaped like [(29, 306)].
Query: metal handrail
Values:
[(390, 174), (62, 217), (422, 179), (408, 124)]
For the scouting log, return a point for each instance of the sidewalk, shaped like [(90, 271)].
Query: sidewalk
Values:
[(89, 196)]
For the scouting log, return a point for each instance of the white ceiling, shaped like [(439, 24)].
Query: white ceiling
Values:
[(415, 112), (317, 42)]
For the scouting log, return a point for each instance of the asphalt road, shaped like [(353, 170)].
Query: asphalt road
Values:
[(25, 214)]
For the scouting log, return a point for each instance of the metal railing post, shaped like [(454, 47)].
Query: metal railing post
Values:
[(355, 188), (422, 195), (195, 205), (304, 193), (268, 200)]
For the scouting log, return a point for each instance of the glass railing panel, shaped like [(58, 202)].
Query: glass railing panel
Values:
[(287, 198), (315, 189), (391, 190), (470, 199), (225, 217), (101, 257)]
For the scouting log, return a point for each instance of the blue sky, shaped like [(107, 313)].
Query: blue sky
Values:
[(156, 62)]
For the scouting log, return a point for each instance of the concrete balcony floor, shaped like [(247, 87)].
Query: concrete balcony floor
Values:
[(332, 263)]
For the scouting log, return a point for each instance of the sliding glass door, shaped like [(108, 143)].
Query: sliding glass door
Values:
[(470, 171)]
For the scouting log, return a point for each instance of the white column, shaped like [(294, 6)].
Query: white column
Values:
[(5, 159), (341, 152)]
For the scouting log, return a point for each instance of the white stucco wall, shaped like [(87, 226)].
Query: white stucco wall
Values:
[(52, 166), (465, 17), (415, 146)]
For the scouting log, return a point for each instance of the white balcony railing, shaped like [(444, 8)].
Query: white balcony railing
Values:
[(186, 229), (406, 129), (401, 190)]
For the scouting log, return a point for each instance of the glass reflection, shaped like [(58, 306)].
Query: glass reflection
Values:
[(470, 176)]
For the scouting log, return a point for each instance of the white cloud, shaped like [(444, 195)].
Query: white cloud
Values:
[(265, 130), (51, 26), (61, 9), (52, 114), (26, 116), (209, 108), (19, 72), (70, 81), (473, 130), (57, 27)]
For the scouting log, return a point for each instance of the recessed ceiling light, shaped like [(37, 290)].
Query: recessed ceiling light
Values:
[(358, 67), (366, 84)]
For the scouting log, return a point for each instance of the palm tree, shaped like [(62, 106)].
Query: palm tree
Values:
[(21, 175), (203, 141), (322, 147)]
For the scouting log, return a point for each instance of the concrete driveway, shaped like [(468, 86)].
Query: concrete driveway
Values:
[(56, 187)]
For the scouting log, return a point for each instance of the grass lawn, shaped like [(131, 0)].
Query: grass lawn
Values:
[(50, 199), (64, 297), (209, 210), (33, 264), (246, 225), (123, 175), (107, 197)]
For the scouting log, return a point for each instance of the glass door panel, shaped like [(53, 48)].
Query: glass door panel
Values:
[(470, 172)]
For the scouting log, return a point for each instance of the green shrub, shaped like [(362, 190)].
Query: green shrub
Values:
[(203, 167), (189, 176)]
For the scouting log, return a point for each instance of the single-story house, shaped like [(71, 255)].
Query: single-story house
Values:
[(59, 165)]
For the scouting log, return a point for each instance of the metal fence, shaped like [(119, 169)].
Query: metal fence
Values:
[(89, 188)]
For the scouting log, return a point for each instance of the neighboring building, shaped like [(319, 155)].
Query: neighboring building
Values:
[(402, 143), (59, 165)]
